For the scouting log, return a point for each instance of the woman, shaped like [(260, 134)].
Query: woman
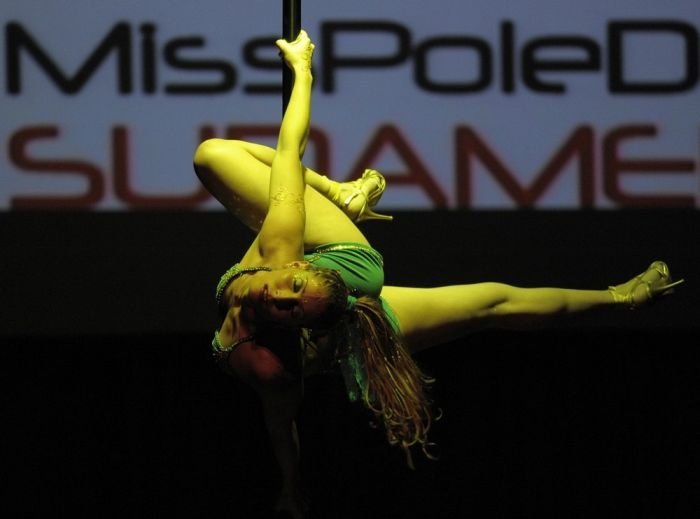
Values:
[(308, 294)]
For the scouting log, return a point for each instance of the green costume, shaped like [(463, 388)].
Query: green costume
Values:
[(360, 266)]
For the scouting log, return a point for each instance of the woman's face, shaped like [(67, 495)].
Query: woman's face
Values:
[(291, 297)]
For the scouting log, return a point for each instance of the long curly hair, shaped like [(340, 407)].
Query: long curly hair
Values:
[(387, 379), (395, 388)]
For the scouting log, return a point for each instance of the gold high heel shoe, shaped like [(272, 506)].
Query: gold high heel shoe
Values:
[(656, 281), (356, 198)]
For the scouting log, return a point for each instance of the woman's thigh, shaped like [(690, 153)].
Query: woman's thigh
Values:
[(237, 174), (433, 316)]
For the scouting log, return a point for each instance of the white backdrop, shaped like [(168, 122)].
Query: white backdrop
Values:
[(452, 100)]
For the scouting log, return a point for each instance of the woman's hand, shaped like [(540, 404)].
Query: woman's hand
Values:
[(298, 53)]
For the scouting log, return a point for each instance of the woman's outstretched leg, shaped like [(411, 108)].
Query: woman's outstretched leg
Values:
[(432, 316)]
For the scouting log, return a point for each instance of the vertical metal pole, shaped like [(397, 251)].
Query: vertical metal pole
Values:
[(291, 26)]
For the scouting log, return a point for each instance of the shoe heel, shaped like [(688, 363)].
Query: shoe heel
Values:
[(675, 283), (668, 289), (368, 214)]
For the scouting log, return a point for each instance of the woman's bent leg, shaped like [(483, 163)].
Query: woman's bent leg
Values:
[(237, 174)]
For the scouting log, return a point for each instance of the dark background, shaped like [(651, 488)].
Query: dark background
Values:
[(113, 405)]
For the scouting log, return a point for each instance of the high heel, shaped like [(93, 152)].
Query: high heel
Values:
[(356, 198), (656, 281)]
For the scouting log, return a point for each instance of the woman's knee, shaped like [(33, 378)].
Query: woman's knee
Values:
[(210, 151)]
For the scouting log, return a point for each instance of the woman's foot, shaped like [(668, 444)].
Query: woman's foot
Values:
[(290, 511), (356, 198), (291, 504), (297, 54), (653, 283)]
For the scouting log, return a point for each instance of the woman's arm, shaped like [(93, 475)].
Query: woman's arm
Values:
[(281, 237)]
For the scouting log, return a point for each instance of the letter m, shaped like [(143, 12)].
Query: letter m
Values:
[(18, 39), (469, 143)]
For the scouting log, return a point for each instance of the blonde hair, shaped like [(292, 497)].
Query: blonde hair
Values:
[(392, 386)]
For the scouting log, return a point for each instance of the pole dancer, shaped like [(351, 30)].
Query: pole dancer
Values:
[(308, 295)]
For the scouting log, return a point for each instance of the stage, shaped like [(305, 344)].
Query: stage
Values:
[(114, 406)]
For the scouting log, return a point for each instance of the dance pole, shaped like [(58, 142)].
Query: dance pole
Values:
[(291, 26)]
